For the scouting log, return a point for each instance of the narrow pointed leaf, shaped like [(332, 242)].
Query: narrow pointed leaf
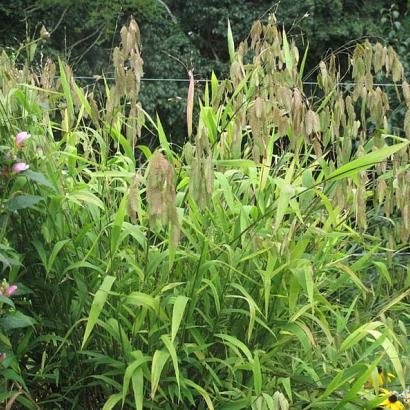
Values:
[(97, 305), (177, 314)]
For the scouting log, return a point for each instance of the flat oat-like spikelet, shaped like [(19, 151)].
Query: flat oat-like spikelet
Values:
[(161, 191)]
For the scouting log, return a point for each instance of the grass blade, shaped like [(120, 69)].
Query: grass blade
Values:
[(361, 164), (158, 362), (177, 314), (231, 44), (97, 305)]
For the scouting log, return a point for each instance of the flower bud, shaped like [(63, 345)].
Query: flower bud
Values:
[(44, 34), (21, 137), (19, 167)]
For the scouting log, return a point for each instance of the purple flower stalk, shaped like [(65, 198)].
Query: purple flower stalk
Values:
[(21, 137), (19, 167)]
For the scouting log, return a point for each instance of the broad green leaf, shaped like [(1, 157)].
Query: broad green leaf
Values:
[(286, 49), (302, 333), (108, 381), (84, 264), (83, 99), (123, 142), (164, 141), (134, 370), (393, 354), (286, 191), (302, 65), (214, 86), (280, 402), (237, 345), (202, 392), (142, 299), (23, 202), (39, 178), (366, 161), (286, 384), (6, 300), (358, 335), (158, 362), (6, 260), (81, 197), (174, 357), (135, 232), (353, 276), (66, 90), (394, 301), (336, 382), (112, 401), (177, 314), (171, 286), (226, 190), (269, 401), (54, 253), (215, 295), (16, 320), (209, 118), (145, 150), (357, 385), (137, 381), (253, 308), (97, 305)]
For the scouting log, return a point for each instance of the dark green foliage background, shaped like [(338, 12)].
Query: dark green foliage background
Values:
[(178, 35)]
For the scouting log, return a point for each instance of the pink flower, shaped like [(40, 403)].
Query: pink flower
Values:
[(7, 290), (19, 167), (10, 290), (21, 137)]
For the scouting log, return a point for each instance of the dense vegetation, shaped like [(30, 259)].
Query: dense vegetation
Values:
[(263, 265)]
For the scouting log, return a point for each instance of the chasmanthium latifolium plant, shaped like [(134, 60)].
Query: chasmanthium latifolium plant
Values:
[(261, 266)]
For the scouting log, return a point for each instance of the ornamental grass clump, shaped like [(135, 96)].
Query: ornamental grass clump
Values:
[(261, 267)]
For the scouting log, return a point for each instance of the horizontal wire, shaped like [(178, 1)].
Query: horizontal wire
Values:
[(100, 77), (379, 254), (202, 80), (348, 83)]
